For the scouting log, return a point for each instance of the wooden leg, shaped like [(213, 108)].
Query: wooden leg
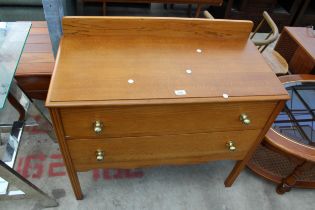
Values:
[(75, 183), (289, 181), (283, 188), (198, 10), (66, 155), (239, 166), (73, 176)]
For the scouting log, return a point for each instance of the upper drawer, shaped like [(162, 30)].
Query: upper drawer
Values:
[(124, 121)]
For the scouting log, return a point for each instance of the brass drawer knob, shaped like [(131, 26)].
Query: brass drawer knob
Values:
[(98, 127), (244, 119), (230, 145), (99, 155)]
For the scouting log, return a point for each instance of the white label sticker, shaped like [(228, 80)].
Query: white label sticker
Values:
[(225, 95), (180, 92), (188, 71), (131, 81)]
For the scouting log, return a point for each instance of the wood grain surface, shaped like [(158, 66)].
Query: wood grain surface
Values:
[(297, 78), (160, 27), (304, 38), (37, 56), (156, 53), (297, 46), (37, 62), (302, 62)]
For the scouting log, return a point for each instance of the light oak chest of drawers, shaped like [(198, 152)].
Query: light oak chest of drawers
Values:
[(138, 92)]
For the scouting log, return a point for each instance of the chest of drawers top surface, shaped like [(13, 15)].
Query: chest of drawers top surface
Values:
[(105, 61)]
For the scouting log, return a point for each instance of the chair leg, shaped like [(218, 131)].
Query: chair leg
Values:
[(197, 14), (257, 28)]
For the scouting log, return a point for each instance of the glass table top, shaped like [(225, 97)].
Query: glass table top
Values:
[(297, 120), (13, 36)]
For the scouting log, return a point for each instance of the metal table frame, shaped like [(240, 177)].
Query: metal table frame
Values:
[(53, 10), (27, 110)]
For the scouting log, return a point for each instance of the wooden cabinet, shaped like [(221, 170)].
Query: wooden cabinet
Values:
[(138, 92), (297, 46)]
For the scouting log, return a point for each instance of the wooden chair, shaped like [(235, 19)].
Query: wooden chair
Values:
[(277, 63)]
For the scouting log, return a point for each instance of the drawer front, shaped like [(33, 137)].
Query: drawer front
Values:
[(139, 151), (128, 121)]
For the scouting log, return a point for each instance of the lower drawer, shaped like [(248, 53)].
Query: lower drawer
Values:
[(133, 152)]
